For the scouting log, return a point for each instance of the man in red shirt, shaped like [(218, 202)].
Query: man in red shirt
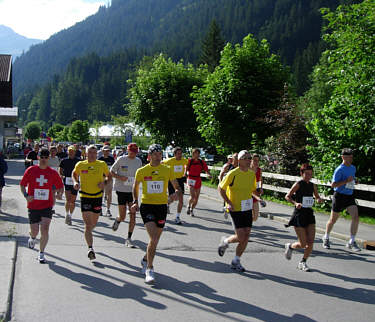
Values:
[(40, 181)]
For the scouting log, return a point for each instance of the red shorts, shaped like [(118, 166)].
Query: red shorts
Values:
[(194, 182)]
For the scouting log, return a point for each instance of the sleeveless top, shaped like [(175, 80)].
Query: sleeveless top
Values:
[(304, 195)]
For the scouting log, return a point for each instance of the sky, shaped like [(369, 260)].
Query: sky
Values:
[(40, 19)]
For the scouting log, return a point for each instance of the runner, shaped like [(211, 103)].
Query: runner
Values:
[(124, 172), (53, 161), (109, 160), (61, 154), (154, 178), (78, 151), (193, 172), (88, 178), (230, 165), (343, 182), (237, 190), (302, 196), (258, 175), (32, 156), (178, 165), (66, 168), (40, 181)]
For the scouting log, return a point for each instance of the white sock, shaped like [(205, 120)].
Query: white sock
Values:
[(326, 236), (352, 239), (236, 258), (226, 240), (178, 215)]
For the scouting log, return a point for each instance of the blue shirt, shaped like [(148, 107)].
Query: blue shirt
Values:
[(341, 173)]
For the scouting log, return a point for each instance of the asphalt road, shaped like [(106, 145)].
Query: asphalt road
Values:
[(192, 282)]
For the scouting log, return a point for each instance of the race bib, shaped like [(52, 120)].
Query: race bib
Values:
[(178, 168), (41, 194), (129, 182), (247, 204), (350, 185), (68, 181), (191, 182), (155, 186), (307, 202)]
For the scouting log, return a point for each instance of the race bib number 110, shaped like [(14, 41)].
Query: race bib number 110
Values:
[(155, 186)]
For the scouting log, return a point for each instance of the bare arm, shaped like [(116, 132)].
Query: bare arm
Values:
[(75, 178), (223, 195), (291, 192), (27, 197), (135, 206), (316, 194), (223, 171), (341, 183)]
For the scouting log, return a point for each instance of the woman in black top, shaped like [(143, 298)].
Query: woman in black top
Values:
[(302, 196)]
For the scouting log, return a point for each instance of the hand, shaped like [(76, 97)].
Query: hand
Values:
[(29, 198), (350, 178), (261, 191), (134, 208), (209, 176), (101, 185), (230, 206), (319, 200), (76, 186), (262, 203), (298, 205)]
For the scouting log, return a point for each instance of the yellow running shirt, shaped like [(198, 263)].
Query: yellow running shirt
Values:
[(154, 183), (90, 175), (239, 186), (178, 166)]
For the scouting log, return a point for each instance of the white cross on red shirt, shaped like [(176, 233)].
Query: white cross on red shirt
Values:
[(41, 180)]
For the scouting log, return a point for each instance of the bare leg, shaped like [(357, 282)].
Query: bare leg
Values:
[(353, 211), (90, 219), (310, 235), (154, 233), (34, 230), (44, 229), (196, 197), (332, 220), (109, 198)]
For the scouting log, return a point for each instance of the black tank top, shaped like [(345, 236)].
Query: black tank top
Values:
[(305, 190)]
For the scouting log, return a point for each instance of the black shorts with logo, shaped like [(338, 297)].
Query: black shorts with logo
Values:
[(242, 219), (124, 197), (35, 215), (70, 188), (181, 182), (154, 213), (91, 204), (341, 201)]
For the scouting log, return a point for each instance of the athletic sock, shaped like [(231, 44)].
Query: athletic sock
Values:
[(130, 233), (326, 236), (352, 239), (236, 258)]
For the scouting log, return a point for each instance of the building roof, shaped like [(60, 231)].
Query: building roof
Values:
[(5, 67)]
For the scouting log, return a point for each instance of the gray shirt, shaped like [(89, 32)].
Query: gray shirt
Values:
[(125, 167)]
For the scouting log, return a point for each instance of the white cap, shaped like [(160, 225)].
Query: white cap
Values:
[(242, 153)]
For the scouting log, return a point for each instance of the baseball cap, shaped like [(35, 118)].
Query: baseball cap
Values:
[(229, 156), (71, 147), (133, 147), (242, 153), (106, 148)]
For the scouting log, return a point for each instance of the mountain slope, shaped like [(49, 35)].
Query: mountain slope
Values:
[(13, 43)]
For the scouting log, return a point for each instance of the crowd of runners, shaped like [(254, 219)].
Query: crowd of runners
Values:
[(51, 172)]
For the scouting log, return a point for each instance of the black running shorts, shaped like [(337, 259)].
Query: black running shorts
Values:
[(242, 219), (124, 197), (73, 191), (35, 215), (181, 182), (302, 218), (154, 213), (91, 204), (341, 201)]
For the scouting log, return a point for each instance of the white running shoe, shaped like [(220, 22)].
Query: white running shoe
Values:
[(41, 258), (178, 221), (303, 267), (68, 220), (288, 251), (91, 254), (353, 246), (236, 265), (31, 243), (326, 243), (222, 246), (150, 276), (144, 266), (129, 243)]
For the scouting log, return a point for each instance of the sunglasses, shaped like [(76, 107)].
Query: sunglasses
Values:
[(249, 158), (43, 157)]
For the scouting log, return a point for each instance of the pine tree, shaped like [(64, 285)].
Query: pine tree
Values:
[(212, 45)]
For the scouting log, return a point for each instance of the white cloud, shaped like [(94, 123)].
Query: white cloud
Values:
[(42, 18)]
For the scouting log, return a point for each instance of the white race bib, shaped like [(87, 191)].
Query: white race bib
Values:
[(191, 182), (350, 185), (69, 181), (129, 182), (41, 194), (246, 205), (178, 168), (155, 186), (307, 202)]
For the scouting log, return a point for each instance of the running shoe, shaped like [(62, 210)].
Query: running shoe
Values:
[(129, 243), (150, 276), (192, 213), (303, 267), (68, 220), (144, 265), (91, 254), (178, 221), (188, 210), (326, 243), (31, 243), (288, 251), (41, 258), (115, 225), (236, 265), (109, 213), (222, 246), (353, 246)]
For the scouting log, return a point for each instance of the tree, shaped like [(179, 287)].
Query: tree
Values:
[(79, 131), (55, 129), (63, 136), (33, 130), (232, 104), (341, 102), (160, 101), (212, 45)]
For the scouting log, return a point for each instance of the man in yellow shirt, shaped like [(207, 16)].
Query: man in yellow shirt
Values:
[(178, 164), (88, 177), (154, 178), (237, 190)]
